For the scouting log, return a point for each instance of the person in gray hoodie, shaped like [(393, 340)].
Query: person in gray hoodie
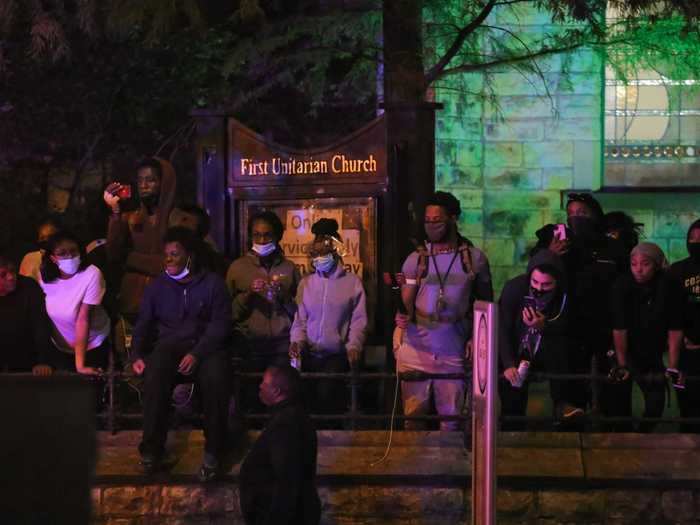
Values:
[(329, 327)]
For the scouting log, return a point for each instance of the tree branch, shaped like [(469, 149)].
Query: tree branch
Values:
[(437, 70), (470, 68)]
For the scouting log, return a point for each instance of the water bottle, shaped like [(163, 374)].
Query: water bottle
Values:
[(523, 369)]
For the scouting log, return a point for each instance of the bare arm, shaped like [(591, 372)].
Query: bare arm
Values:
[(620, 342), (82, 330), (675, 339)]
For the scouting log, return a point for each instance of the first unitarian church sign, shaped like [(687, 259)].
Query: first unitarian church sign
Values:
[(359, 155)]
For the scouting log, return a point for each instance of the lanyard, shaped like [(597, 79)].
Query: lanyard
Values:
[(441, 298)]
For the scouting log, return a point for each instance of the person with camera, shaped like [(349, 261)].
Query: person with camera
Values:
[(687, 273), (181, 333), (647, 308), (592, 262), (135, 238), (443, 279), (262, 284), (329, 328), (534, 323)]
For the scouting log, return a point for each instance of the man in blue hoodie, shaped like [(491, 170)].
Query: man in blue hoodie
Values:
[(182, 328)]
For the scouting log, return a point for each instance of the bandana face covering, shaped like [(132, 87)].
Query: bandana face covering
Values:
[(263, 250), (582, 226), (436, 231), (542, 298)]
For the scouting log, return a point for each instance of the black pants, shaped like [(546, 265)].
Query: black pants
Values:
[(581, 352), (652, 383), (326, 396), (96, 358), (689, 398), (552, 359), (212, 377)]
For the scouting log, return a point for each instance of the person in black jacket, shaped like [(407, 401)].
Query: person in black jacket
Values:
[(24, 325), (593, 261), (534, 334), (278, 477), (687, 273), (181, 331), (647, 319)]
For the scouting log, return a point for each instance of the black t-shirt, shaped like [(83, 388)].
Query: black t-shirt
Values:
[(648, 312), (687, 273), (24, 327)]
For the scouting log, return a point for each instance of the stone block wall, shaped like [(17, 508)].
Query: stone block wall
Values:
[(509, 158), (402, 504)]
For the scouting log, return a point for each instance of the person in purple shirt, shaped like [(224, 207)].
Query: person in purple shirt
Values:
[(443, 278)]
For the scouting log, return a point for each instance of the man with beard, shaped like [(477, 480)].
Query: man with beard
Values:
[(443, 278), (592, 262), (533, 333), (687, 272)]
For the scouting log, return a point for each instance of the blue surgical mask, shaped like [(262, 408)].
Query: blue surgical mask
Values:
[(69, 266), (324, 263), (263, 250)]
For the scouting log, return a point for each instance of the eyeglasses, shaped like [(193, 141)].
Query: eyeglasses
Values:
[(263, 235)]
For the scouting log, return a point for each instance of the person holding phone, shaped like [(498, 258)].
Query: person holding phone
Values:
[(183, 325), (534, 335), (647, 308)]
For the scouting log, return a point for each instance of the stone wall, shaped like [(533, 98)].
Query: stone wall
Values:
[(509, 158), (544, 478)]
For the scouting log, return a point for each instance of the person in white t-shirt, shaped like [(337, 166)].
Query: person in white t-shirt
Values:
[(74, 291)]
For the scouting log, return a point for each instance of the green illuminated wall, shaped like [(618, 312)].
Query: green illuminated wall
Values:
[(509, 163)]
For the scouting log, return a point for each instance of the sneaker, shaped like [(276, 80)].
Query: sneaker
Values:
[(209, 470), (150, 463)]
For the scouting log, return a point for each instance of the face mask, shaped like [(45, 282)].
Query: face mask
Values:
[(694, 251), (582, 226), (436, 231), (69, 266), (263, 250), (184, 273), (542, 298), (324, 263), (42, 245)]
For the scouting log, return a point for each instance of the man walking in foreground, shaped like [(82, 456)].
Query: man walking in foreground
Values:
[(278, 477)]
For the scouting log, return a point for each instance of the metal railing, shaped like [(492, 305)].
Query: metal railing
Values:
[(112, 413)]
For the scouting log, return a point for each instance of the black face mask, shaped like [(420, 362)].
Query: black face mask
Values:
[(582, 226), (42, 245), (437, 231), (542, 298), (694, 251)]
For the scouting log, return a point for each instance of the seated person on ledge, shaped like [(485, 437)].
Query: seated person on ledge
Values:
[(181, 331)]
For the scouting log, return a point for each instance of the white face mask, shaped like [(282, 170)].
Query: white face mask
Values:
[(69, 266), (263, 250), (179, 276)]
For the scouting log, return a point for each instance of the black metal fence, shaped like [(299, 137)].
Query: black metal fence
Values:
[(112, 413)]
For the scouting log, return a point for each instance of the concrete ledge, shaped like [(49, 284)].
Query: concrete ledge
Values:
[(544, 478)]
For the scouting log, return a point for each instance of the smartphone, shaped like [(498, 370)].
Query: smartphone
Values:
[(560, 232), (124, 192), (529, 302)]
